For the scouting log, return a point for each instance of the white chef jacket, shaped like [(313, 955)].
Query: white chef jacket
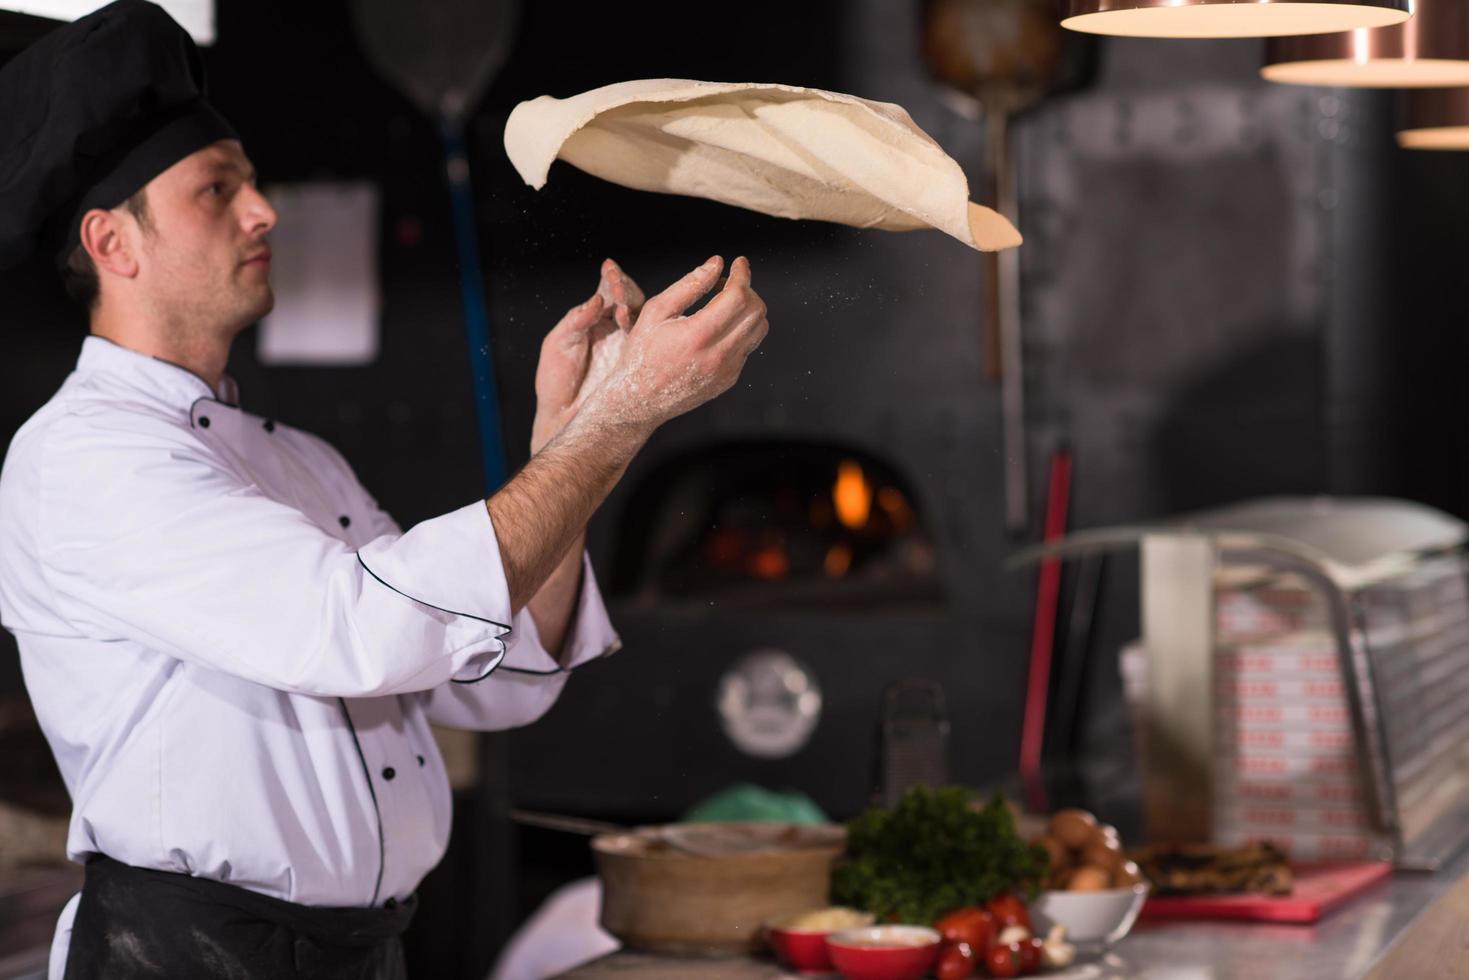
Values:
[(235, 654)]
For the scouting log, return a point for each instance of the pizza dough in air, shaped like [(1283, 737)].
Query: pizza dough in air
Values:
[(778, 149)]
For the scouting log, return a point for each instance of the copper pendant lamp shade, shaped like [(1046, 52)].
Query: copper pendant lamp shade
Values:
[(1230, 18), (1438, 119), (1429, 50)]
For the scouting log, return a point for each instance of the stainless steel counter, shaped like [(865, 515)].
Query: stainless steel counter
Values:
[(1345, 944)]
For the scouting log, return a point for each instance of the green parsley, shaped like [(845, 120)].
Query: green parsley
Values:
[(933, 853)]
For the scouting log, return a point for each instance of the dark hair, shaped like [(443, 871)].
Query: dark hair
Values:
[(79, 275)]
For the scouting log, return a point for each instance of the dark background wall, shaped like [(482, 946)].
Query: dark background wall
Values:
[(1230, 289)]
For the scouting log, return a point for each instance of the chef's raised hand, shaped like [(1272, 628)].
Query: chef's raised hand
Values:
[(665, 363), (577, 352), (671, 363)]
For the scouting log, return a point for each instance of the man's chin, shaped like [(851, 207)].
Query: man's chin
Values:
[(261, 305), (253, 312)]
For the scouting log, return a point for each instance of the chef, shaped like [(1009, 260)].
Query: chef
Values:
[(233, 652)]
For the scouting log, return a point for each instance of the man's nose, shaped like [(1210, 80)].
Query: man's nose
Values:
[(259, 216)]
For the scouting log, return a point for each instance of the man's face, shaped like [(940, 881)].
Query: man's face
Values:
[(203, 260)]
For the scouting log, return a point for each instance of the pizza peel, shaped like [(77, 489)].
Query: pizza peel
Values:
[(443, 54)]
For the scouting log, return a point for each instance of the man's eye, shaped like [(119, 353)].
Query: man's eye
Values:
[(216, 188)]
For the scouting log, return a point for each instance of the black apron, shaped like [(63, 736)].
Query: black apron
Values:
[(138, 924)]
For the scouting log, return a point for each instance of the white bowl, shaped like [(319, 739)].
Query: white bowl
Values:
[(1093, 920), (886, 937)]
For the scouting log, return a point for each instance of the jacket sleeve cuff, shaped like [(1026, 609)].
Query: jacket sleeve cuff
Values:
[(452, 564), (590, 637)]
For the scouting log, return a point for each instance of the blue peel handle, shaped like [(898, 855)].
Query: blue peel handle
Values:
[(476, 314)]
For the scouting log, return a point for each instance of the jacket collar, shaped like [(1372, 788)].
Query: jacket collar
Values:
[(177, 385)]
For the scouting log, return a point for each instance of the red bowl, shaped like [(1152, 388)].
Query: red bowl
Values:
[(800, 949), (883, 952)]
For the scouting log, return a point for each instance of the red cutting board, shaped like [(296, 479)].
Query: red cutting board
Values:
[(1319, 888)]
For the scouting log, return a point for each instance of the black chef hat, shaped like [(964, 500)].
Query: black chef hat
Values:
[(89, 114)]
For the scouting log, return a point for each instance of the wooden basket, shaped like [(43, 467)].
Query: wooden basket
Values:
[(708, 888)]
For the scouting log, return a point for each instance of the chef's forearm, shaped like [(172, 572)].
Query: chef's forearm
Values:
[(554, 605), (544, 510)]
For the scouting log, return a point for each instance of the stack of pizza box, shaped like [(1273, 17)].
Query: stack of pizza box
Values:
[(1287, 760), (1286, 765)]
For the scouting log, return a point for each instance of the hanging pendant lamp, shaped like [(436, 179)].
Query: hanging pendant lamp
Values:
[(1438, 119), (1431, 49), (1230, 18)]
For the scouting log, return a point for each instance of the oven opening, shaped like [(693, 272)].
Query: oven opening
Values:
[(774, 523)]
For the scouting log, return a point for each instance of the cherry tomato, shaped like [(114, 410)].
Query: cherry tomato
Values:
[(970, 924), (1009, 911), (955, 962), (1003, 961), (1030, 955)]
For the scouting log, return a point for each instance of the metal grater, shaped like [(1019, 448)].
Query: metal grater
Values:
[(915, 738)]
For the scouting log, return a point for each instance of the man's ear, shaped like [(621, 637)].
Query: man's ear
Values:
[(107, 241)]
